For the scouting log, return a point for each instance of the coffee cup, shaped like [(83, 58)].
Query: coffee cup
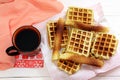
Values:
[(26, 41)]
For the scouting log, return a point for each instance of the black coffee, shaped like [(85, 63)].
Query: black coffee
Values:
[(27, 40)]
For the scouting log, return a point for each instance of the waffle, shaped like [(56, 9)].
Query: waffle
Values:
[(58, 39), (51, 29), (82, 59), (79, 14), (79, 42), (104, 45), (69, 67), (88, 27)]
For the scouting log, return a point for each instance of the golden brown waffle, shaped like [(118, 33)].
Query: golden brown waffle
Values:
[(69, 67), (51, 29), (104, 45), (58, 39), (79, 14), (79, 42), (82, 59), (88, 27)]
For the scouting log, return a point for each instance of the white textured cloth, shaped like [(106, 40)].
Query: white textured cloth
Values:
[(86, 72)]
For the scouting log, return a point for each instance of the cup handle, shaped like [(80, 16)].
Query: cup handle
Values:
[(12, 51)]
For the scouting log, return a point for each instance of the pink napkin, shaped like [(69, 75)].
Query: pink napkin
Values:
[(15, 13), (5, 1)]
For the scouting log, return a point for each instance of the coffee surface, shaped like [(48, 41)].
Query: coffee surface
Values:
[(27, 40)]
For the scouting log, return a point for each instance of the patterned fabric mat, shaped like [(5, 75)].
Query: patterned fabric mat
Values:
[(23, 61)]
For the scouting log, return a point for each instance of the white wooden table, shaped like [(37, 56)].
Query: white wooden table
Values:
[(112, 14)]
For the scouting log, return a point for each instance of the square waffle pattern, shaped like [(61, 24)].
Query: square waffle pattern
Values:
[(51, 29), (104, 45), (79, 14), (79, 42), (68, 66)]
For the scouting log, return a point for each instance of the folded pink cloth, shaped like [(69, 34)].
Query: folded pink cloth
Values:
[(5, 1), (16, 13)]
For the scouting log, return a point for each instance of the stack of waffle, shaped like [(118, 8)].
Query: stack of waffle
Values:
[(83, 43)]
